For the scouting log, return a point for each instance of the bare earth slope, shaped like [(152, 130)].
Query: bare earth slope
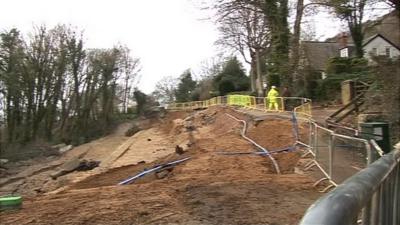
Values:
[(210, 188)]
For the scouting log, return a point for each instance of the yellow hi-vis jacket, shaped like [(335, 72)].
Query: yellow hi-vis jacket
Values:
[(272, 95)]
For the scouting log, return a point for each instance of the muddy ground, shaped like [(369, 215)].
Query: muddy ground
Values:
[(210, 188)]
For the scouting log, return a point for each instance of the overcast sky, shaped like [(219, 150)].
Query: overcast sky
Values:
[(168, 36)]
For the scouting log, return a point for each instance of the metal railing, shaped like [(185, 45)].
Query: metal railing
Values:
[(302, 106), (337, 156), (370, 197)]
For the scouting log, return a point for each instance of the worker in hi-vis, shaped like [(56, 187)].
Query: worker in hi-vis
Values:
[(272, 97)]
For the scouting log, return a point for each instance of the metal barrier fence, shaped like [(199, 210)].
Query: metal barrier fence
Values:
[(302, 106), (370, 197), (337, 156), (304, 109)]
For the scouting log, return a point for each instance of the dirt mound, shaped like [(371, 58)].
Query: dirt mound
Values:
[(273, 133), (167, 123), (271, 201), (216, 186), (260, 200), (214, 134)]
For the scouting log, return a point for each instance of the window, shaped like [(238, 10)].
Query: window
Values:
[(374, 51), (344, 52), (323, 75), (387, 51)]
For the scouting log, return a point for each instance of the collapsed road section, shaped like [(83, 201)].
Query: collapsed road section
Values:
[(187, 180)]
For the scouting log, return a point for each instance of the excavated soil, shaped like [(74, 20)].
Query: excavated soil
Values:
[(214, 186)]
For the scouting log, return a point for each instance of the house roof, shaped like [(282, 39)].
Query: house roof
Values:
[(387, 26), (318, 53), (366, 41)]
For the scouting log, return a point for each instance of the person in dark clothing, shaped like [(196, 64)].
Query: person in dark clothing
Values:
[(286, 93)]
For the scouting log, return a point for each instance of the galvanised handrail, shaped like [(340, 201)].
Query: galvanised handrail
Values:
[(374, 191)]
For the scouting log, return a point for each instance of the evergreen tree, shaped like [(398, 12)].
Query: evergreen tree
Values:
[(277, 12), (141, 100), (232, 78), (185, 88)]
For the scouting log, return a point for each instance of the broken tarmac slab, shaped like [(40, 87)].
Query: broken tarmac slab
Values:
[(75, 164)]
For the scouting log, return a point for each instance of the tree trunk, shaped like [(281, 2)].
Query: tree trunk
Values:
[(10, 120), (253, 76), (259, 83), (126, 88), (358, 37), (295, 45)]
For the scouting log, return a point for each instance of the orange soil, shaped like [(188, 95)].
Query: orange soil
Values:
[(210, 188)]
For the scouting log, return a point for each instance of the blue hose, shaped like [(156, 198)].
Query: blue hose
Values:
[(141, 174), (295, 126), (258, 153)]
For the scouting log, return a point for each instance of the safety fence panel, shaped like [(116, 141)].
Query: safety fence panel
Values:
[(323, 149), (337, 156), (240, 100), (306, 134), (302, 106), (253, 103), (196, 105), (370, 197), (350, 155), (309, 138), (258, 103), (303, 109), (211, 102), (221, 100), (175, 106)]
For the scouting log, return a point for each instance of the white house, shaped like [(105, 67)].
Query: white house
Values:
[(379, 45), (381, 37), (372, 46)]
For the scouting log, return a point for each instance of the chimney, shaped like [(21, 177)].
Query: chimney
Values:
[(343, 39)]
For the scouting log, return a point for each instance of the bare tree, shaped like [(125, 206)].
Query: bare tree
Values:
[(50, 84), (165, 89), (308, 32), (245, 29), (130, 68), (211, 67), (351, 11)]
